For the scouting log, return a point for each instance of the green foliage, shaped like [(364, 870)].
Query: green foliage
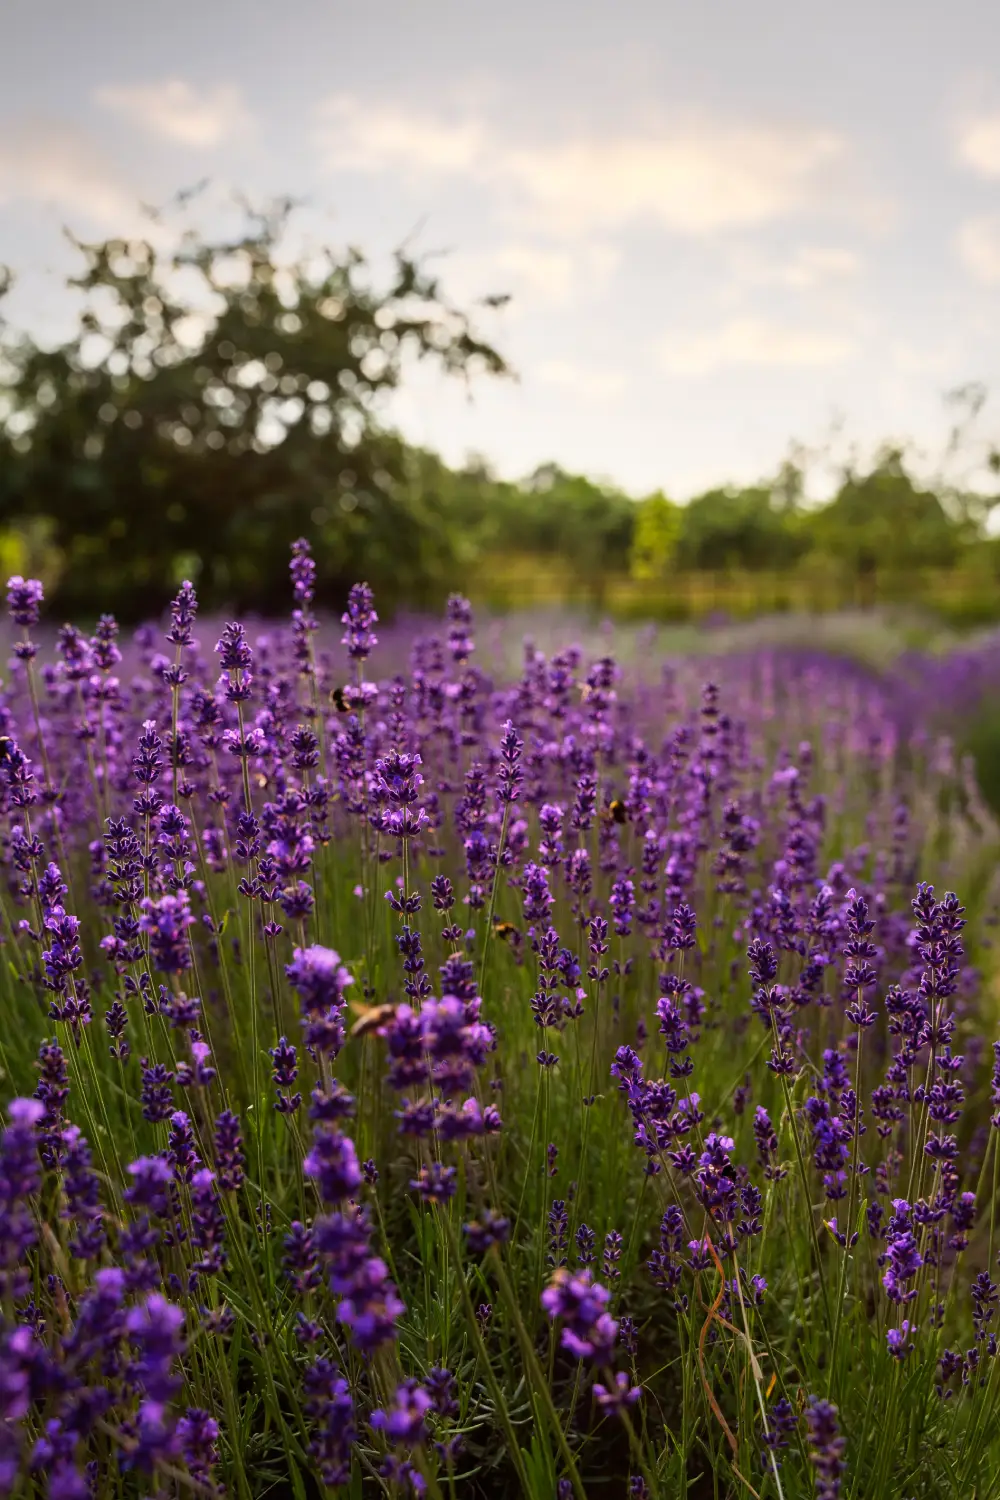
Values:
[(883, 521), (750, 528), (658, 524), (216, 402)]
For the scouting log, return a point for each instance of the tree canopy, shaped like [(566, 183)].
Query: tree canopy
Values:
[(218, 401)]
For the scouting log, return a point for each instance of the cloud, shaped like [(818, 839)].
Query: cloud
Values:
[(695, 176), (555, 275), (176, 112), (550, 274), (58, 167), (590, 385), (359, 135), (816, 264), (694, 181), (978, 243), (808, 267), (915, 359), (979, 146), (535, 274), (752, 341)]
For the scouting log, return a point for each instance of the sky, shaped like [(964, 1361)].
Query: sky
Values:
[(725, 228)]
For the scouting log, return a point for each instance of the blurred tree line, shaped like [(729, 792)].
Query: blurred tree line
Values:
[(217, 401)]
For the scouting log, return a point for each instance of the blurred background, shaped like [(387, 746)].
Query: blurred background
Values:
[(653, 311)]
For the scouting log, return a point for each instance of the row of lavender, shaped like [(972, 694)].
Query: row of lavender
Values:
[(437, 1084)]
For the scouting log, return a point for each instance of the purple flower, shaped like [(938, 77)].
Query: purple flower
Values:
[(318, 977), (182, 615), (826, 1448), (24, 596), (198, 1436), (359, 617), (333, 1163), (490, 1229), (165, 922), (558, 1224), (320, 980), (510, 774), (618, 1397), (440, 1386), (285, 1071), (20, 1178), (299, 1261), (230, 1160), (589, 1332), (371, 1307), (902, 1255), (460, 643), (233, 649), (151, 1176), (208, 1224), (330, 1408), (83, 1200), (898, 1340), (157, 1095), (435, 1183), (155, 1329), (622, 905), (53, 1091), (181, 1152), (403, 1424), (781, 1423), (303, 572), (103, 643)]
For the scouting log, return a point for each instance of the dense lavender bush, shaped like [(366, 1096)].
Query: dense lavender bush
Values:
[(579, 1082)]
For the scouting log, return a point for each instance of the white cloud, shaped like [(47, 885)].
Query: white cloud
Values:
[(589, 385), (979, 248), (979, 146), (696, 181), (816, 264), (175, 111), (804, 269), (535, 274), (360, 135), (752, 341), (916, 359), (556, 275), (58, 167), (549, 273), (694, 175)]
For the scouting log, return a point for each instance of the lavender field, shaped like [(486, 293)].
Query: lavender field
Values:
[(449, 1066)]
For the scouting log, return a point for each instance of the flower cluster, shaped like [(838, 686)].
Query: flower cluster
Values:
[(431, 1063)]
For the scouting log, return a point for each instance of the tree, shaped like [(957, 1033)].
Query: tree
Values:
[(216, 402), (881, 522), (753, 528), (658, 523), (589, 525)]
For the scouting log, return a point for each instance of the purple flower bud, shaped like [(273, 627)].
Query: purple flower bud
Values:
[(24, 595), (403, 1424), (359, 617), (333, 1163)]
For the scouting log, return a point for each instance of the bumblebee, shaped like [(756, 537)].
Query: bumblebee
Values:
[(338, 700), (617, 811), (6, 748), (503, 930), (370, 1017), (261, 780)]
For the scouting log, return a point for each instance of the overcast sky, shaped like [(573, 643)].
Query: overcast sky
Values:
[(725, 226)]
